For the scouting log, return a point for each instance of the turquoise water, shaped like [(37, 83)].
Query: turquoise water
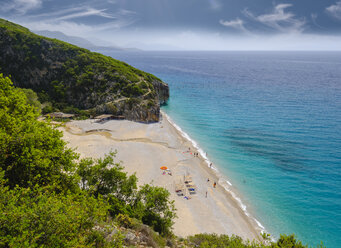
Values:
[(271, 122)]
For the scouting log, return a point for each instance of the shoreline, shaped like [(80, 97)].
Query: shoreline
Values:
[(221, 179), (164, 143)]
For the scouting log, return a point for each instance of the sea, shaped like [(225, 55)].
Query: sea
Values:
[(270, 122)]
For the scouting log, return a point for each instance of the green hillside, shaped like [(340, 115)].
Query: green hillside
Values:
[(73, 78)]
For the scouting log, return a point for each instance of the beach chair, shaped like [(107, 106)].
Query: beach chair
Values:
[(192, 189), (188, 179), (180, 189), (191, 184)]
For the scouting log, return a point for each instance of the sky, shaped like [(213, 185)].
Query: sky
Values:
[(187, 24)]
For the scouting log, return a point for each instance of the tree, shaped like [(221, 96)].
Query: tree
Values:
[(222, 241), (40, 218), (31, 152), (32, 98), (150, 204), (158, 211), (107, 178), (289, 241)]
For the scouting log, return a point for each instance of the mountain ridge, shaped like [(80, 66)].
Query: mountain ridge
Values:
[(82, 42)]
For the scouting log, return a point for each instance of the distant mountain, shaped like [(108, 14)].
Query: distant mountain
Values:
[(81, 42), (73, 78), (78, 41)]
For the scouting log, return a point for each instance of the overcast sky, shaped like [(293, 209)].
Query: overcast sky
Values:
[(187, 24)]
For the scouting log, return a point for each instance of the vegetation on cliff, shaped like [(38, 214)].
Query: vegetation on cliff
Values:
[(72, 78)]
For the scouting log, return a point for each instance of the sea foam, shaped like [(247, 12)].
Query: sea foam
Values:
[(222, 181)]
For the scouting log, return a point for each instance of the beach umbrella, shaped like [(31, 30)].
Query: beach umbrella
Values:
[(163, 168)]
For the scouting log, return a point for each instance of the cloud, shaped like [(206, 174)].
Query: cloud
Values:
[(66, 27), (193, 40), (215, 4), (279, 19), (335, 10), (21, 6), (236, 24), (77, 12), (314, 17), (65, 20), (86, 12), (76, 29)]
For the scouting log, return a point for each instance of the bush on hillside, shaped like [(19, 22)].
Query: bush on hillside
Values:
[(150, 204), (31, 151), (41, 218)]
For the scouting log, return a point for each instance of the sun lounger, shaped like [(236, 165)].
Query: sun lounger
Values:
[(192, 189), (187, 179), (180, 189)]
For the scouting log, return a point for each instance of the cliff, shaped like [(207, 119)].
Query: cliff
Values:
[(70, 77)]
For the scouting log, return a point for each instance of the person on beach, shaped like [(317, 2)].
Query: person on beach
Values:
[(215, 184), (206, 194), (210, 165)]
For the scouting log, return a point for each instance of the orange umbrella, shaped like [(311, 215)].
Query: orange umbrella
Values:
[(163, 168)]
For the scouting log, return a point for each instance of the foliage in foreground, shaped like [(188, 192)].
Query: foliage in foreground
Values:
[(34, 217), (149, 204), (225, 241), (44, 189), (31, 152)]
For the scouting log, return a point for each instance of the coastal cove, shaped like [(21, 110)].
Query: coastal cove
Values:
[(133, 148), (143, 149), (270, 122)]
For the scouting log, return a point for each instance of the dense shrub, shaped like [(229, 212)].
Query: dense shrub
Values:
[(225, 241), (32, 99), (40, 218), (31, 151), (48, 109), (150, 204)]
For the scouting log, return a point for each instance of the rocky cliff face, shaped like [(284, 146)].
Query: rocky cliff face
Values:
[(71, 77), (162, 90)]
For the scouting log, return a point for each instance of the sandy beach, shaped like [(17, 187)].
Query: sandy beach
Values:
[(143, 149)]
